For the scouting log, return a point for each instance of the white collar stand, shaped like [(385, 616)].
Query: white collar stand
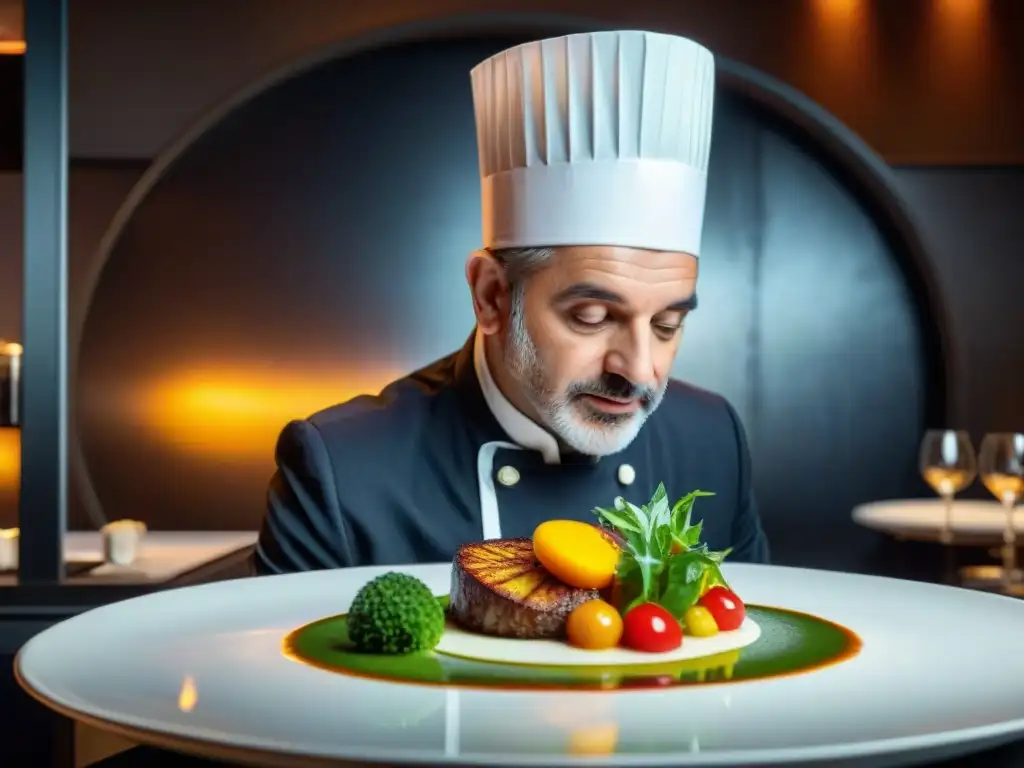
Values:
[(521, 429)]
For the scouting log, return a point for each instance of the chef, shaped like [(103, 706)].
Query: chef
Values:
[(593, 154)]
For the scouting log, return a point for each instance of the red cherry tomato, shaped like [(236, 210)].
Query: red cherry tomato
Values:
[(651, 629), (725, 607)]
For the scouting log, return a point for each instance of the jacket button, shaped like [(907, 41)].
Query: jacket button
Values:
[(627, 474), (508, 476)]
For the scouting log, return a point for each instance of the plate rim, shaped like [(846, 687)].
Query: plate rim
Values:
[(232, 747), (172, 736)]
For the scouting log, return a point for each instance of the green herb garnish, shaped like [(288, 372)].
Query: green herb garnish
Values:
[(663, 560)]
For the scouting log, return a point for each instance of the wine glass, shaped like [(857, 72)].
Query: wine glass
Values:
[(1001, 463), (948, 465)]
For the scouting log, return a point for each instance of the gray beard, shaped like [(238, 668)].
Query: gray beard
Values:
[(583, 429)]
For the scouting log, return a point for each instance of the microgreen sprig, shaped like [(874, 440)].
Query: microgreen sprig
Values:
[(662, 560)]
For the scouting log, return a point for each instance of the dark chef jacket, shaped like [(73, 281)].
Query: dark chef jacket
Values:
[(441, 458)]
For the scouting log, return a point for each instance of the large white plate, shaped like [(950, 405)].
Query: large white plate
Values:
[(925, 518), (939, 674), (502, 650)]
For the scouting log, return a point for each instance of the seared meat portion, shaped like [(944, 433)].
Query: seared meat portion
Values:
[(498, 588)]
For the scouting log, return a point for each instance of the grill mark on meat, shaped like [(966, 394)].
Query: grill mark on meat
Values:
[(499, 588)]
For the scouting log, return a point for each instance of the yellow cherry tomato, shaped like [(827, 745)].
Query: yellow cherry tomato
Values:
[(579, 554), (594, 626), (699, 621)]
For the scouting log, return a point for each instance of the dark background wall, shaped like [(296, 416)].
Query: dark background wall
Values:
[(923, 81), (232, 298)]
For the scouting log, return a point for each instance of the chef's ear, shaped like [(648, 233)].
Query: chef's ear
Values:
[(488, 284)]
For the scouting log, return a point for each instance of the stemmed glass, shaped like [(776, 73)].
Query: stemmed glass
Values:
[(1001, 464), (948, 465)]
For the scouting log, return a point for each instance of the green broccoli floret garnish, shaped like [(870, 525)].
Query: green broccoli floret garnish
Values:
[(395, 613)]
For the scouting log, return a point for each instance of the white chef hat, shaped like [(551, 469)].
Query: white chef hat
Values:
[(595, 139)]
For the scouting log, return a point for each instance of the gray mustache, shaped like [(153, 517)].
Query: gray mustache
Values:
[(613, 386)]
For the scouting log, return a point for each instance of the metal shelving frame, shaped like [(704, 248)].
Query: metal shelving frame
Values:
[(44, 426)]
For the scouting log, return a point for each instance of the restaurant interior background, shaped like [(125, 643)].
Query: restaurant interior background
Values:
[(270, 203)]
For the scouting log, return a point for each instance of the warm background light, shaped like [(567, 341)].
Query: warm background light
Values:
[(840, 31), (12, 47), (962, 11), (840, 37), (961, 31), (234, 413), (10, 460), (188, 696), (961, 60), (838, 14)]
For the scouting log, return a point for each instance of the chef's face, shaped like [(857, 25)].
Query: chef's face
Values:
[(592, 336)]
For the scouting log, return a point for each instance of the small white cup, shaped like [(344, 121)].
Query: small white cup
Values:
[(9, 540), (121, 540)]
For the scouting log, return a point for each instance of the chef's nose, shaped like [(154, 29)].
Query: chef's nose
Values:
[(631, 357)]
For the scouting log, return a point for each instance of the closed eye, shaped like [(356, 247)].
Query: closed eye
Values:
[(590, 316), (667, 327)]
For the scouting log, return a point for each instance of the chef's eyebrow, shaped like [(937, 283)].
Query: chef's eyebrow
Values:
[(592, 292)]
